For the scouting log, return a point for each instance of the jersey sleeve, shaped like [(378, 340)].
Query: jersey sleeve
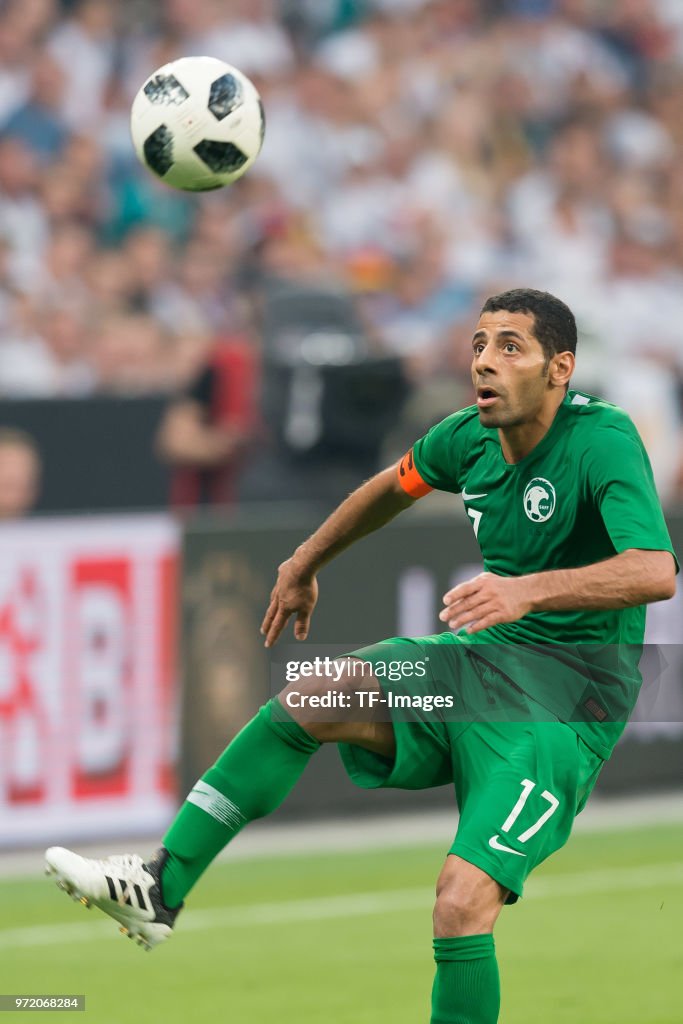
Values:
[(622, 484), (433, 463)]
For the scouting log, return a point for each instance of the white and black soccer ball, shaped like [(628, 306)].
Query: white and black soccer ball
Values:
[(197, 123)]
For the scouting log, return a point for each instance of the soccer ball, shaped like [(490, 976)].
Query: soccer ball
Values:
[(197, 123)]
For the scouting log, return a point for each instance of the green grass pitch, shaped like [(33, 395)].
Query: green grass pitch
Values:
[(345, 939)]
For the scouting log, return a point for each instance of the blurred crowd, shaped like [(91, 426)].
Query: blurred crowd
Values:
[(419, 155)]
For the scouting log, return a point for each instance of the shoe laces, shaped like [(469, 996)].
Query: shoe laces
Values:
[(128, 865)]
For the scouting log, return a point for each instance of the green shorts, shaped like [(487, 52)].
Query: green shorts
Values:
[(521, 775)]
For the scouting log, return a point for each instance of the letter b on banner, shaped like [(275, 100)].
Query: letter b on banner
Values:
[(102, 665)]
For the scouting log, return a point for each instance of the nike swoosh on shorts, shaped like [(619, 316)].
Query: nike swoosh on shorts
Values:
[(495, 844)]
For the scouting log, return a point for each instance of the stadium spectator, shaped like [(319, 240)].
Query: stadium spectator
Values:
[(47, 357), (19, 473), (39, 122), (84, 47), (110, 282), (150, 265), (62, 276), (14, 69), (421, 306), (251, 36), (23, 220), (208, 429), (130, 356)]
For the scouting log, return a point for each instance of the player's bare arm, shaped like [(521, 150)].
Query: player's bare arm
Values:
[(367, 509), (631, 578)]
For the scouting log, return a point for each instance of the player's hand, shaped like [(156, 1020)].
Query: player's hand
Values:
[(295, 593), (487, 600)]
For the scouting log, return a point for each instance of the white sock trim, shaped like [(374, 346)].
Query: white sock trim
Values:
[(216, 804)]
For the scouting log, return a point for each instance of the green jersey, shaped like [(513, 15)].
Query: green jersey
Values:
[(583, 494)]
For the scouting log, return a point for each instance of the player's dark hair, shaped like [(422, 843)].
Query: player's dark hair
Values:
[(554, 323)]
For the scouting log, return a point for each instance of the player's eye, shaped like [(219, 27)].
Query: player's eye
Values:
[(511, 347), (479, 347)]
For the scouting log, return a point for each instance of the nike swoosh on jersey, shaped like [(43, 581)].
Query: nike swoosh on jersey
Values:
[(495, 844), (471, 497)]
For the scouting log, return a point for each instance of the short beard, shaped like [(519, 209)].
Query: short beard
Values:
[(513, 421), (499, 420)]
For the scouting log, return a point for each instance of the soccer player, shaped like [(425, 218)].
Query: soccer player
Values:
[(541, 655)]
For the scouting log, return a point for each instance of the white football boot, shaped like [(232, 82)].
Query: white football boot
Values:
[(125, 887)]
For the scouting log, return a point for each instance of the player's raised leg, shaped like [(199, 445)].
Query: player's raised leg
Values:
[(249, 780), (254, 775)]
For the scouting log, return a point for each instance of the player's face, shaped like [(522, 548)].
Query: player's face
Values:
[(509, 369)]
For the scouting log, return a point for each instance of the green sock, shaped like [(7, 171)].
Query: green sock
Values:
[(250, 779), (466, 987)]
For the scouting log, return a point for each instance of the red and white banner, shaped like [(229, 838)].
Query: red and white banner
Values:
[(88, 704)]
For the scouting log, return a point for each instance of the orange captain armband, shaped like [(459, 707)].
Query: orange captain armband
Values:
[(409, 478)]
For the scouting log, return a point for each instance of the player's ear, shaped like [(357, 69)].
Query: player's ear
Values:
[(561, 369)]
